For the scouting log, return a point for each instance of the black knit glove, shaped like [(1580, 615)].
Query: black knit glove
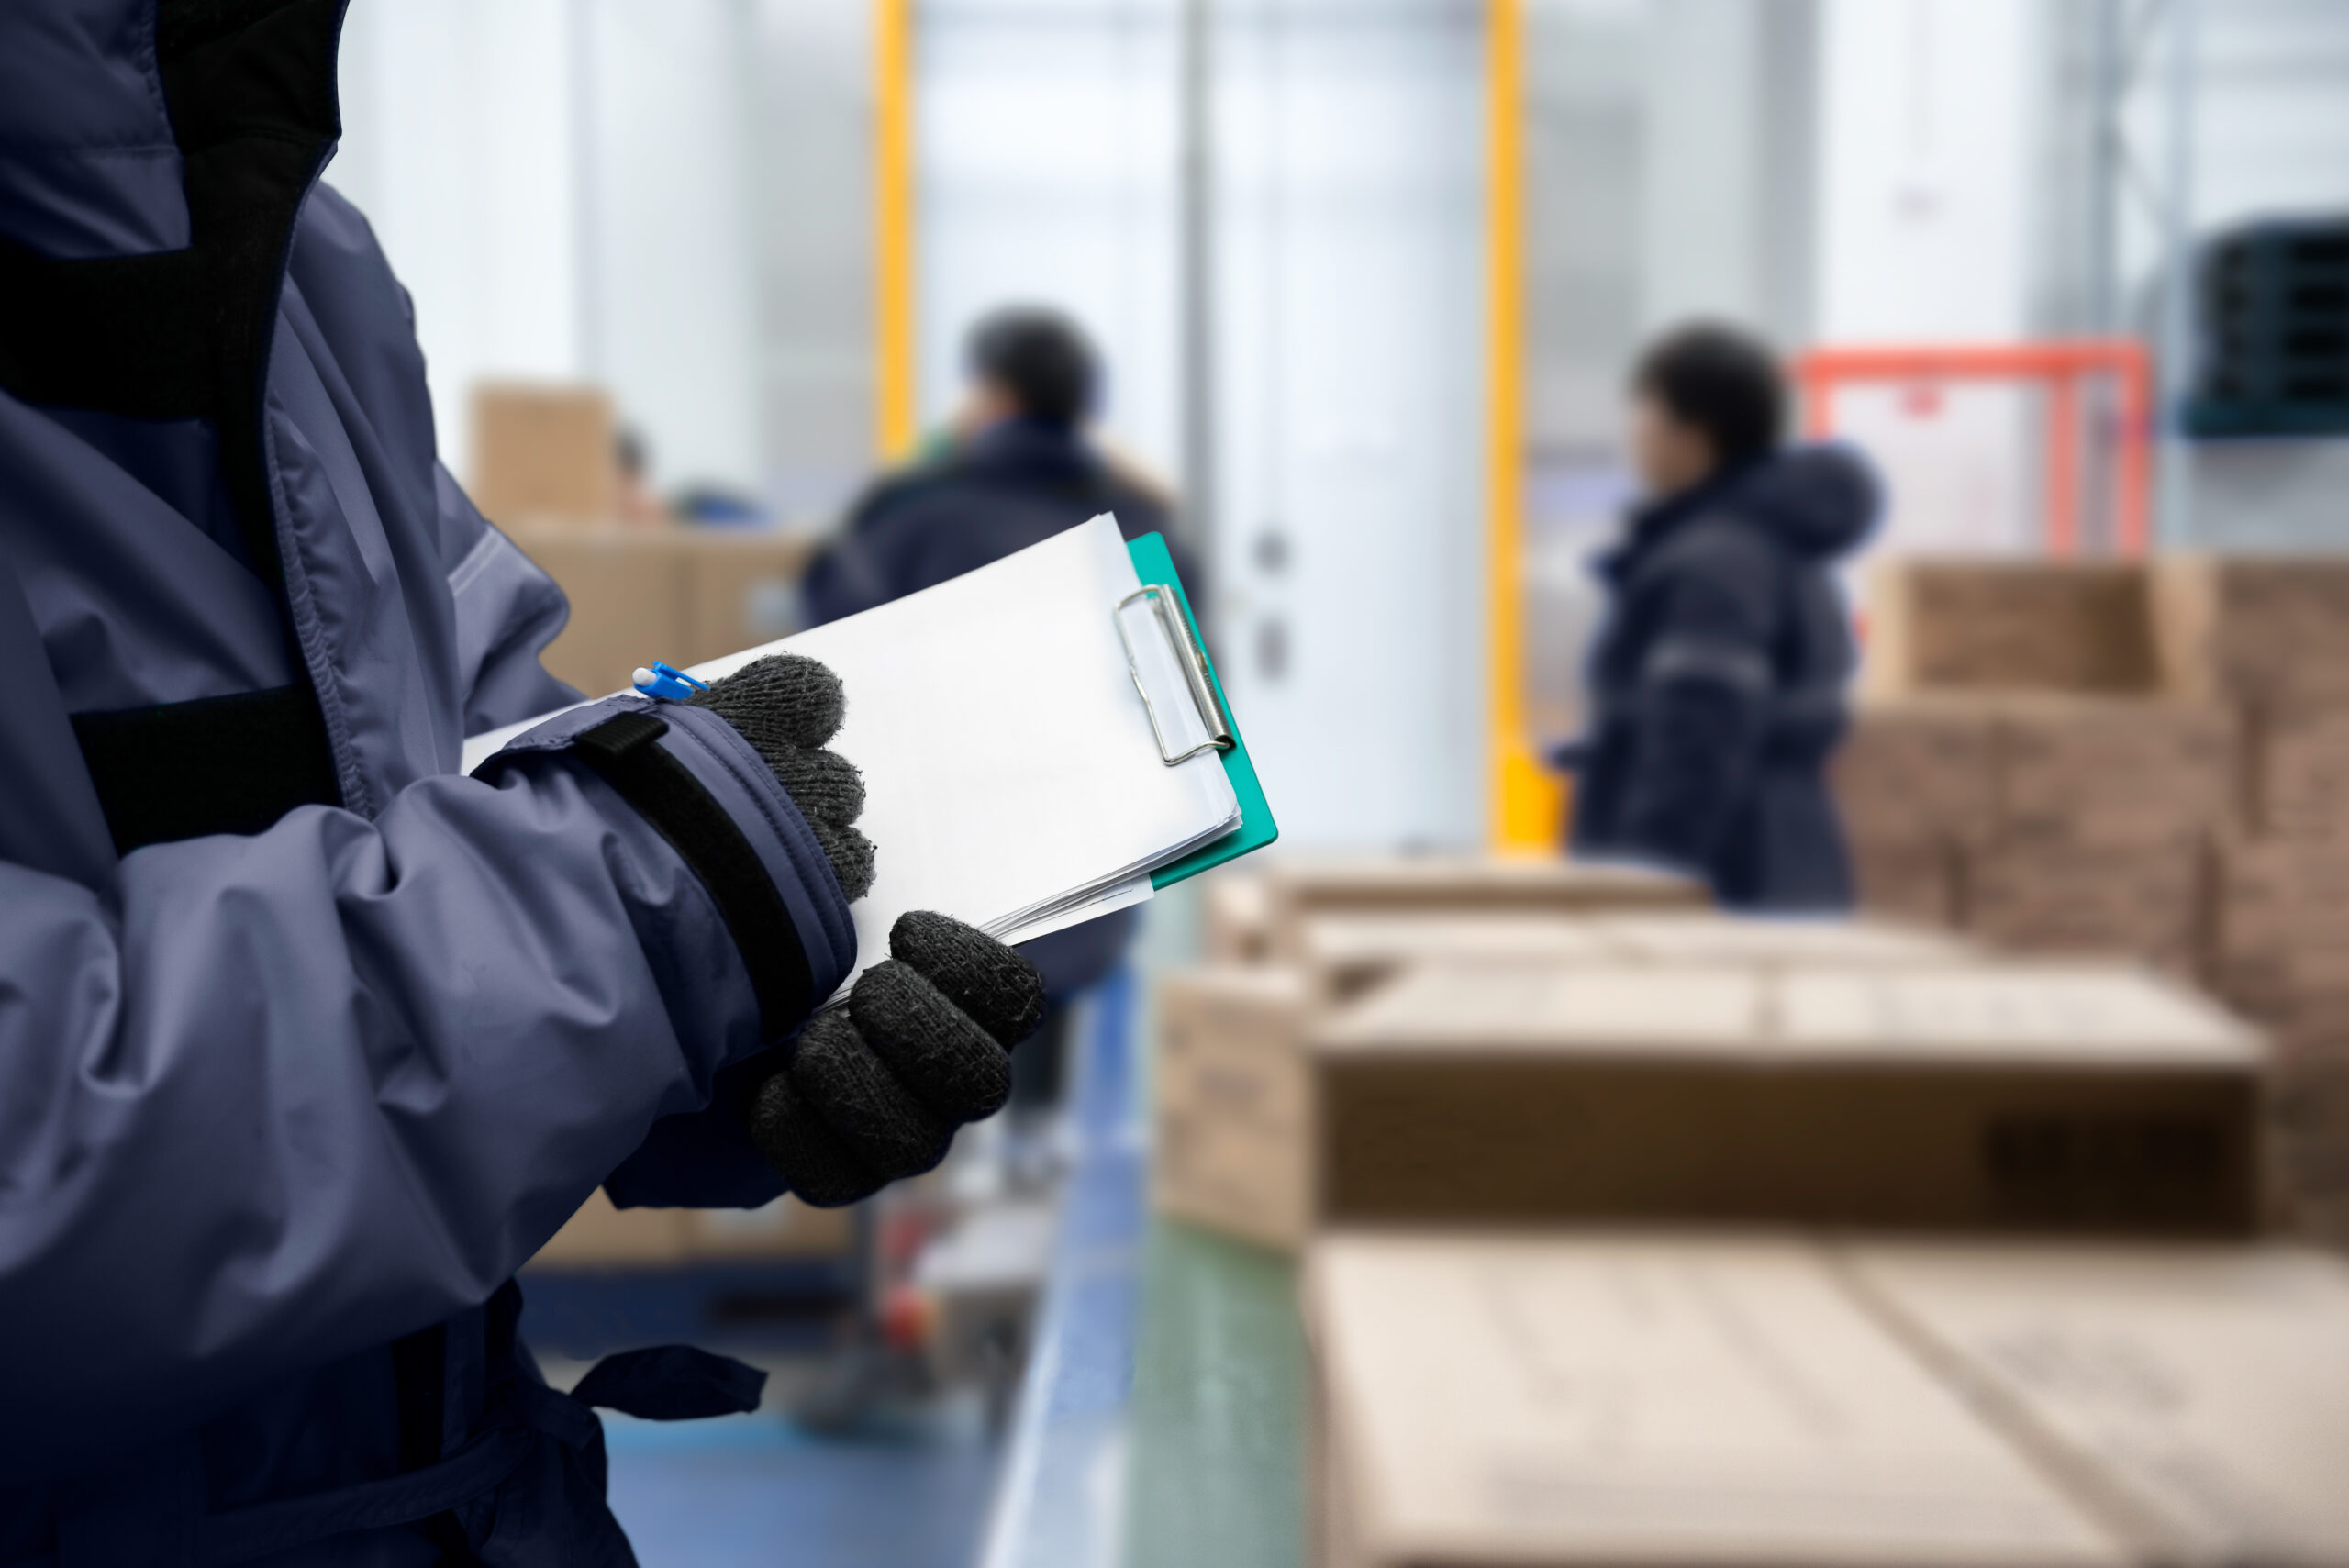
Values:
[(788, 707), (877, 1089)]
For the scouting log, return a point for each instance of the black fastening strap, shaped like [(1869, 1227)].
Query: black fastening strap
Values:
[(625, 751), (232, 764)]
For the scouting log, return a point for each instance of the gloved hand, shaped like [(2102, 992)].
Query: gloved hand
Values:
[(875, 1090), (788, 707)]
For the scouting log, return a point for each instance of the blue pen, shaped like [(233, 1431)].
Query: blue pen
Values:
[(667, 683)]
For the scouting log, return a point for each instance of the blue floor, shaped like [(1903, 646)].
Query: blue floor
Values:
[(919, 1491), (755, 1492)]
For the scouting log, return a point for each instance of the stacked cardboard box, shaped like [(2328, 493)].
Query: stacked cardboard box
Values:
[(1707, 1402), (1297, 888), (542, 452), (1913, 779), (1238, 926), (1233, 1103), (2029, 769), (1999, 1098), (2050, 798), (1684, 941), (1346, 955), (1917, 1090), (1940, 625), (2203, 823), (2281, 945), (2102, 813), (678, 595), (2259, 632), (1676, 1402), (2270, 639), (1232, 1096)]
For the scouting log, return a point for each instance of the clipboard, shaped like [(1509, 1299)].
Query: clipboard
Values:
[(1155, 567)]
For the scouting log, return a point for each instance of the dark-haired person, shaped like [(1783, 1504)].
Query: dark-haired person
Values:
[(1718, 679), (1017, 468)]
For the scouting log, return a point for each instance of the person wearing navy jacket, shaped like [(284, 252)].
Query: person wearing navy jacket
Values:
[(307, 1040), (1717, 678)]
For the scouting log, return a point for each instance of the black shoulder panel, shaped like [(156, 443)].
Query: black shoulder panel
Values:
[(186, 334)]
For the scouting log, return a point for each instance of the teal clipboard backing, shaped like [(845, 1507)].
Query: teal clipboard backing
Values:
[(1257, 828)]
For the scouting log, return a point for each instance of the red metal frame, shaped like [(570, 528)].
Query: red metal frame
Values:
[(2059, 365)]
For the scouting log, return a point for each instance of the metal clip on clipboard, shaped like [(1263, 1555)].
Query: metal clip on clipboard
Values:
[(1189, 656)]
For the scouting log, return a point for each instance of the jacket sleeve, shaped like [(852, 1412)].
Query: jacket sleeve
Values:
[(508, 611), (284, 1097), (1704, 697)]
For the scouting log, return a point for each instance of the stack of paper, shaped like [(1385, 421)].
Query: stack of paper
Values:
[(1012, 778)]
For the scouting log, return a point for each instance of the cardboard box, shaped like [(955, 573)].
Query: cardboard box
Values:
[(1721, 940), (2112, 773), (1667, 1401), (741, 589), (1238, 918), (542, 452), (785, 1229), (1915, 879), (2309, 1125), (628, 595), (2152, 902), (1300, 888), (677, 594), (1233, 1103), (2201, 1394), (1985, 625), (2269, 633), (2297, 774), (1999, 1097), (2280, 951), (1345, 955), (600, 1236), (1916, 772)]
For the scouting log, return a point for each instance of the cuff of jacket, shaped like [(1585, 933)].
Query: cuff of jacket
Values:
[(703, 787)]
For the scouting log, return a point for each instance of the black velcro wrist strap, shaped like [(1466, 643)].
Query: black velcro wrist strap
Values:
[(623, 750)]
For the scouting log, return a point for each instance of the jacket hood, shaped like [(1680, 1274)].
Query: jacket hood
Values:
[(88, 164), (1821, 501)]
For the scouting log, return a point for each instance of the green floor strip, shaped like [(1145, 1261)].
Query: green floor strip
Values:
[(1218, 1434)]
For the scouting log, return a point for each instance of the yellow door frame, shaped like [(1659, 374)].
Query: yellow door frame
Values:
[(1525, 801), (894, 425)]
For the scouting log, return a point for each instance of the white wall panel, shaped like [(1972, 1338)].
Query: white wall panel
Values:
[(457, 138), (1351, 353), (563, 186), (1046, 162)]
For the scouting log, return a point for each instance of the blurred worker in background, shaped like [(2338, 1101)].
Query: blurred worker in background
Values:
[(1017, 467), (1718, 679), (639, 504)]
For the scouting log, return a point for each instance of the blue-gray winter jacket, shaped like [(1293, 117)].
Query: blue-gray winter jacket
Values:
[(306, 1041), (1717, 683)]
